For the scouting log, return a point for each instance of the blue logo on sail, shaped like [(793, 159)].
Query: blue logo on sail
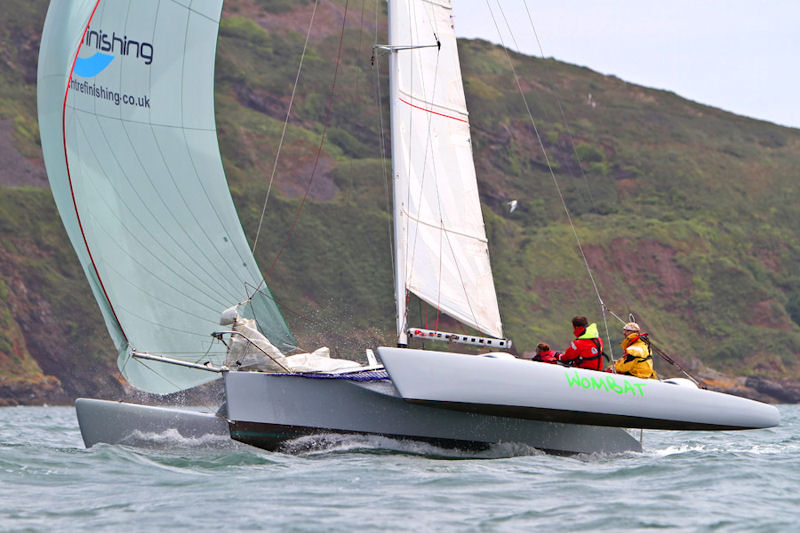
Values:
[(89, 67)]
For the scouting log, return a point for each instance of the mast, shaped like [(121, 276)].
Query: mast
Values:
[(397, 196)]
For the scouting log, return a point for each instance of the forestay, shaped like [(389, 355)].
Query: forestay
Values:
[(441, 249), (126, 112)]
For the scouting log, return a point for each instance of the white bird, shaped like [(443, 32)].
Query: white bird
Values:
[(512, 205)]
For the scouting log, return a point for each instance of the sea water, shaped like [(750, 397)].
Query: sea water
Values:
[(683, 481)]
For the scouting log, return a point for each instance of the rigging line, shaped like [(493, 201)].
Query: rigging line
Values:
[(386, 188), (604, 313), (603, 308), (159, 374), (442, 235), (360, 41), (285, 126), (446, 237), (674, 360), (546, 157), (561, 110), (621, 320), (627, 307), (430, 19), (464, 288), (281, 306), (669, 359), (269, 321), (321, 141)]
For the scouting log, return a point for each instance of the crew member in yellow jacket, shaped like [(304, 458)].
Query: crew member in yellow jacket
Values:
[(637, 360)]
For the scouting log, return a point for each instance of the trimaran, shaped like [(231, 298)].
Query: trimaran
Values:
[(126, 112)]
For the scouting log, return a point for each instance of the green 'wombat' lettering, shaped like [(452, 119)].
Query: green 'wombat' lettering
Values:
[(609, 384)]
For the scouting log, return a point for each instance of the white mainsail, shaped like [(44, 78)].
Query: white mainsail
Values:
[(440, 241), (126, 113)]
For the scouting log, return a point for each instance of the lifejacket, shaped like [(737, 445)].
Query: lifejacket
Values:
[(638, 359), (549, 356), (586, 351)]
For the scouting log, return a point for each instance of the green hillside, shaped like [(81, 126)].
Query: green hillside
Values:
[(688, 216)]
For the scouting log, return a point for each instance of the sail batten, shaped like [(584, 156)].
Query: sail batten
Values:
[(134, 164), (413, 218), (440, 241)]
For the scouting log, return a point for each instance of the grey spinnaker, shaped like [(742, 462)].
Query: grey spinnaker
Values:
[(126, 113)]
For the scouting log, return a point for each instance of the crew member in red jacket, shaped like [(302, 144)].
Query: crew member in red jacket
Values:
[(586, 351), (545, 354)]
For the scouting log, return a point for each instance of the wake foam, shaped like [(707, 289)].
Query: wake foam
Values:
[(334, 443), (171, 438)]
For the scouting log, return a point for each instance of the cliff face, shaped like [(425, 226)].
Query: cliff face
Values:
[(53, 346), (688, 216)]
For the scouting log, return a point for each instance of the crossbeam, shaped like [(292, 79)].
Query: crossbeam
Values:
[(432, 334), (161, 359)]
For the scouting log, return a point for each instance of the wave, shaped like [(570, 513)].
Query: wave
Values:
[(334, 443)]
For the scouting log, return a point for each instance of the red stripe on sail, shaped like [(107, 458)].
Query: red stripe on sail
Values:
[(69, 175), (434, 112)]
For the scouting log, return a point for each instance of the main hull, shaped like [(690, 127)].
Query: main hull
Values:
[(547, 392), (268, 410)]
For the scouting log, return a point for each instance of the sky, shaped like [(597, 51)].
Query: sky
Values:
[(742, 56)]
